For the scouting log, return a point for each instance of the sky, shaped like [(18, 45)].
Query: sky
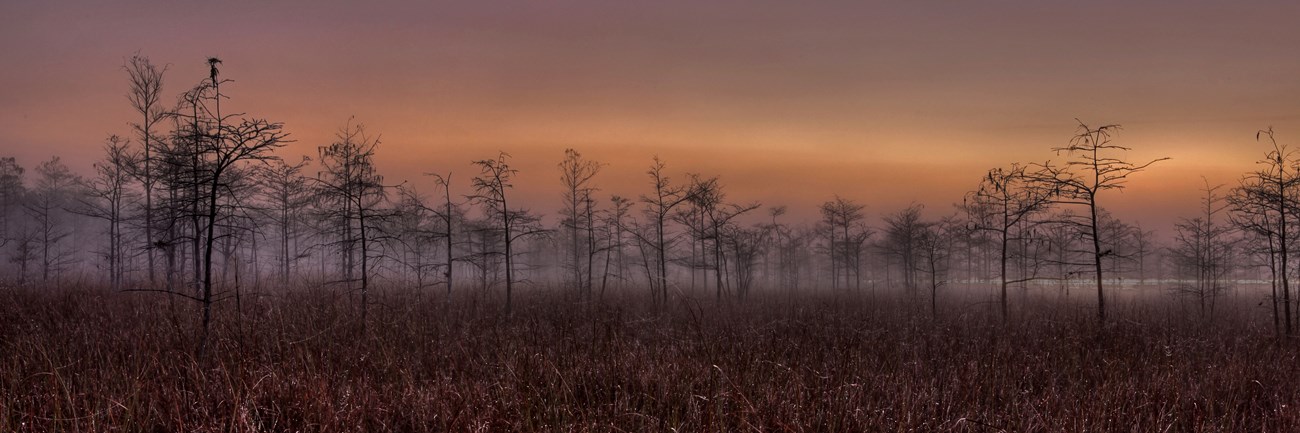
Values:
[(789, 103)]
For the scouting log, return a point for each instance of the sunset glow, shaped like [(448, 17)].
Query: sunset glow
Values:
[(885, 102)]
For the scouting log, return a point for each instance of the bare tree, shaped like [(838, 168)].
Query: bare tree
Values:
[(351, 191), (790, 244), (616, 221), (1143, 245), (108, 197), (145, 95), (704, 195), (1063, 249), (903, 236), (47, 208), (413, 237), (577, 174), (1203, 249), (771, 248), (746, 245), (935, 240), (11, 194), (967, 242), (491, 189), (221, 146), (250, 140), (1006, 200), (1117, 238), (1262, 204), (829, 224), (1091, 170), (287, 192), (173, 197), (481, 251), (1259, 240), (448, 214), (847, 234), (187, 170), (659, 204)]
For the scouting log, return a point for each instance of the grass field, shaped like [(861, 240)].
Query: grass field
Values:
[(94, 361)]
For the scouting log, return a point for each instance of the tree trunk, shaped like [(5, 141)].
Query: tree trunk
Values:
[(1096, 248), (365, 274)]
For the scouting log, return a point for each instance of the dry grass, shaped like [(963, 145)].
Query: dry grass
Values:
[(86, 360)]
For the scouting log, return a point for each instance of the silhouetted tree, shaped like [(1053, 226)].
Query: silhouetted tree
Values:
[(771, 252), (934, 240), (413, 238), (746, 245), (616, 220), (1117, 238), (1091, 170), (219, 147), (1005, 202), (1263, 203), (1063, 249), (659, 204), (287, 194), (108, 198), (186, 168), (351, 192), (576, 174), (692, 218), (791, 245), (25, 254), (250, 140), (1143, 246), (47, 208), (11, 194), (1202, 251), (145, 95), (847, 234), (491, 189), (903, 236), (448, 215), (705, 197)]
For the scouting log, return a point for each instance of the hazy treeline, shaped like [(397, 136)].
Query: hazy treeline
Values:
[(202, 203)]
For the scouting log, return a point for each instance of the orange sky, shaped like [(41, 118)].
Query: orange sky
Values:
[(887, 103)]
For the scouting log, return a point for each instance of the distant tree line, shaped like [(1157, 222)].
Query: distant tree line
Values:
[(199, 203)]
